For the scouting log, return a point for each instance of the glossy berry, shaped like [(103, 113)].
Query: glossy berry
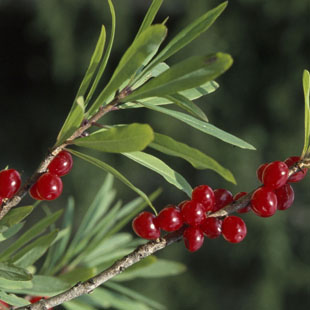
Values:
[(211, 227), (34, 192), (285, 196), (193, 238), (234, 229), (10, 182), (264, 202), (205, 195), (298, 176), (222, 197), (275, 174), (4, 304), (246, 208), (144, 225), (49, 186), (169, 218), (193, 213), (260, 170), (182, 203), (61, 164)]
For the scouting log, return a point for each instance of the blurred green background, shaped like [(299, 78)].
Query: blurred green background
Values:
[(45, 49)]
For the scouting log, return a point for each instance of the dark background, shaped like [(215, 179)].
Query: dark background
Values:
[(45, 49)]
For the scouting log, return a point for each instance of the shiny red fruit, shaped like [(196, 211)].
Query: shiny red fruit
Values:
[(193, 213), (285, 196), (4, 304), (169, 218), (246, 208), (222, 198), (298, 176), (260, 171), (264, 202), (61, 164), (34, 192), (144, 225), (182, 203), (193, 238), (212, 227), (204, 194), (49, 186), (10, 182), (35, 299), (275, 174), (234, 229)]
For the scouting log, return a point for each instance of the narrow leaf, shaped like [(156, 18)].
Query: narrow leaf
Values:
[(104, 166), (78, 274), (10, 232), (306, 88), (196, 158), (158, 166), (186, 74), (127, 138), (12, 286), (73, 121), (14, 273), (202, 126), (77, 305), (13, 300), (15, 216), (141, 50)]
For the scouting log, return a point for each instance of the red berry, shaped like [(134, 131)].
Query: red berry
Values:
[(193, 238), (61, 164), (34, 192), (212, 227), (260, 171), (222, 198), (9, 183), (181, 204), (4, 304), (233, 229), (169, 218), (275, 174), (49, 186), (204, 194), (285, 196), (264, 202), (35, 299), (1, 200), (246, 208), (298, 176), (144, 225), (193, 213)]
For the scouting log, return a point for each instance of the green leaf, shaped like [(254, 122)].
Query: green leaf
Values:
[(186, 74), (150, 15), (106, 54), (189, 33), (77, 305), (30, 234), (14, 273), (78, 274), (94, 62), (188, 106), (134, 295), (10, 232), (202, 126), (33, 251), (12, 286), (158, 166), (73, 121), (127, 138), (306, 88), (13, 300), (141, 50), (104, 166), (15, 216), (191, 94), (196, 158)]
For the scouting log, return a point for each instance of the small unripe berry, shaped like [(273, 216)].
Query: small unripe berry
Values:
[(234, 229), (298, 176), (193, 213), (275, 174), (204, 194), (10, 182), (222, 198), (285, 196), (260, 171), (264, 202), (144, 225), (212, 227), (49, 186), (61, 164), (193, 238), (169, 218)]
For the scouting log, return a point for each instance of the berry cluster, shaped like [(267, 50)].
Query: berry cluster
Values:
[(195, 215), (49, 185), (10, 182)]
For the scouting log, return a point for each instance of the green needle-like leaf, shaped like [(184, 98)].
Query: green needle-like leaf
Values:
[(13, 300), (306, 88), (202, 126), (104, 166), (158, 166), (140, 52), (15, 216), (127, 138), (196, 158), (186, 74), (14, 273), (11, 231)]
